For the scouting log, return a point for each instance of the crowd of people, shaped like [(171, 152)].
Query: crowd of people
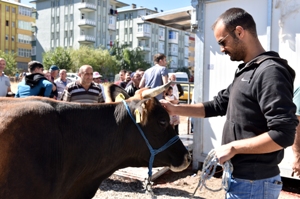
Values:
[(262, 113)]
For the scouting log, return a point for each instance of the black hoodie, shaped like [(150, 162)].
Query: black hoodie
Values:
[(258, 100)]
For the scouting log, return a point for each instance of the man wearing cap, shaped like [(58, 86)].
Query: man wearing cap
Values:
[(83, 90), (34, 84), (61, 82), (97, 81), (54, 72), (4, 80)]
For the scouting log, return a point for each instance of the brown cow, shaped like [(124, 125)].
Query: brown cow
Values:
[(63, 150)]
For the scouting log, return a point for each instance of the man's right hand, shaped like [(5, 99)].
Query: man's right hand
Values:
[(167, 105)]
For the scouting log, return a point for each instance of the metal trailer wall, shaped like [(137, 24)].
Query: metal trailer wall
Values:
[(278, 29)]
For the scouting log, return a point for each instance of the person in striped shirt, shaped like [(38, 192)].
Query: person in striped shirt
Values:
[(83, 90)]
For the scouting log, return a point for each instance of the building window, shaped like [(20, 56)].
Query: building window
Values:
[(7, 23), (125, 31), (25, 11), (13, 24), (130, 30), (13, 10), (6, 37), (172, 34), (140, 27), (12, 38), (7, 8)]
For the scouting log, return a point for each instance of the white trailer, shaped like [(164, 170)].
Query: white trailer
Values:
[(278, 27)]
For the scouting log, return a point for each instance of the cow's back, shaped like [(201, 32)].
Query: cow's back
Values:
[(28, 142)]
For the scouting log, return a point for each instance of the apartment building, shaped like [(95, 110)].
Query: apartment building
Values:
[(72, 23), (16, 31), (152, 38)]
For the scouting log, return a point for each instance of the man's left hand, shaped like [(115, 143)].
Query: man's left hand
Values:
[(225, 152)]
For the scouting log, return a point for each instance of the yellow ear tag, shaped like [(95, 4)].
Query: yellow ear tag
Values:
[(120, 97), (137, 116)]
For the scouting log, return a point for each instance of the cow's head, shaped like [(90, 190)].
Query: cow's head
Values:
[(155, 124)]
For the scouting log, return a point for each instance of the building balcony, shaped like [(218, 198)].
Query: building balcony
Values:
[(86, 39), (87, 7), (87, 23), (144, 48), (173, 53), (111, 26), (143, 35)]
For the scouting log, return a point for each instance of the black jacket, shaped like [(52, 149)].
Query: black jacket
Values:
[(258, 100)]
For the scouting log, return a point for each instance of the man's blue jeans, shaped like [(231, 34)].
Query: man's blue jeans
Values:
[(268, 188)]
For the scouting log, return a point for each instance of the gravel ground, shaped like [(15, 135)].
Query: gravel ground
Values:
[(170, 185)]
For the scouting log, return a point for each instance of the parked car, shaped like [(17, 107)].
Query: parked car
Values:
[(72, 76), (180, 76), (185, 95)]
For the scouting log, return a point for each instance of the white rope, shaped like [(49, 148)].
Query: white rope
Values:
[(208, 170)]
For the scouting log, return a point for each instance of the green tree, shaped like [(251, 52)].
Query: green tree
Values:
[(11, 64), (100, 59), (59, 56), (129, 59)]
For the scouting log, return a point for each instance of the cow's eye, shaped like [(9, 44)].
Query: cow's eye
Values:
[(163, 122)]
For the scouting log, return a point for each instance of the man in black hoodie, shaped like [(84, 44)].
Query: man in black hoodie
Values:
[(258, 106), (34, 84)]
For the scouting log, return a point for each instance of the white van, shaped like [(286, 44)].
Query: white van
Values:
[(180, 76)]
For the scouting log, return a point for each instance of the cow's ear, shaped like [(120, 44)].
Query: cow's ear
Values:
[(144, 109)]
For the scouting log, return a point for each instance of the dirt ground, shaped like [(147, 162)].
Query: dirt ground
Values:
[(169, 185)]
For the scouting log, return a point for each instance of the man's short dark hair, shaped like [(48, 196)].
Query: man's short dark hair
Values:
[(157, 57), (234, 17), (122, 71), (32, 65)]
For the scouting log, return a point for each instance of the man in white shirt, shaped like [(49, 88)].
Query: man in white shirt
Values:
[(62, 82), (4, 80)]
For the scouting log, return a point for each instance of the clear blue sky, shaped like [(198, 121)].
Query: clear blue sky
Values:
[(159, 4)]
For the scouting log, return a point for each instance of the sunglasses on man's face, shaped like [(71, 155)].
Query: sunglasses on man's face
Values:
[(222, 41)]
